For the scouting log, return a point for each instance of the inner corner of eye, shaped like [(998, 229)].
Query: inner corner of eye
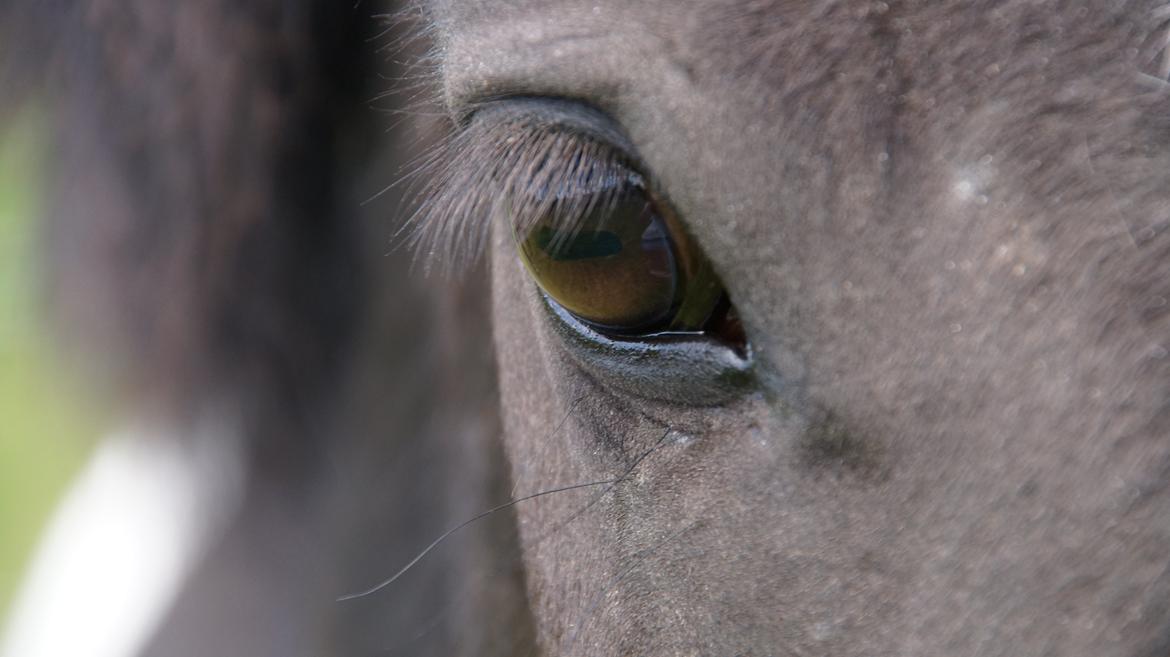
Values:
[(621, 262)]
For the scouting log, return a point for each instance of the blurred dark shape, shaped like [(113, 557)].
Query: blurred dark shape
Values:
[(212, 257)]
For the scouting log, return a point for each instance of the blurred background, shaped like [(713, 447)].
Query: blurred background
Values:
[(49, 416), (227, 398)]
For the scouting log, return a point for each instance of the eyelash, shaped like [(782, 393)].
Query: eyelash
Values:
[(530, 167)]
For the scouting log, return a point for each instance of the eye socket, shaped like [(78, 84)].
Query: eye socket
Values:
[(628, 294), (622, 263), (611, 255)]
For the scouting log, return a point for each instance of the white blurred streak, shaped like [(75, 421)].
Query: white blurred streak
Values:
[(127, 534)]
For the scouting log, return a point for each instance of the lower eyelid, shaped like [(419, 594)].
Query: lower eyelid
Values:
[(690, 370)]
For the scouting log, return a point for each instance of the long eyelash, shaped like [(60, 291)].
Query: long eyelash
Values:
[(522, 166)]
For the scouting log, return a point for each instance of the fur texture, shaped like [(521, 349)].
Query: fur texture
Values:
[(944, 225)]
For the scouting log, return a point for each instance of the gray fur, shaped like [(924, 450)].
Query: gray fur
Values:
[(944, 225)]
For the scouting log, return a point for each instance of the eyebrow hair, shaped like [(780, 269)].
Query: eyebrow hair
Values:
[(535, 160)]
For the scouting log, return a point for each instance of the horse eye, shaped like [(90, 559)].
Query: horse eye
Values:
[(624, 266)]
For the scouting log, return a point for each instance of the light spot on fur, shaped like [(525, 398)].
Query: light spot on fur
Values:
[(973, 183), (822, 631), (964, 190), (680, 438), (757, 437)]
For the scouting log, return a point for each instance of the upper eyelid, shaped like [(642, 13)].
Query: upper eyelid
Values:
[(495, 155), (554, 112)]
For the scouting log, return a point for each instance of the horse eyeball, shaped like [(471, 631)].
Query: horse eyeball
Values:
[(624, 266)]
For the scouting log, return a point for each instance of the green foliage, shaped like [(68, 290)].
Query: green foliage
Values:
[(46, 422)]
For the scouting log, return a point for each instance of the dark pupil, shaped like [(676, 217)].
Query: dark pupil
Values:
[(615, 269)]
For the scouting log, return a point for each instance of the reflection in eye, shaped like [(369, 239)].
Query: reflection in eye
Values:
[(624, 266)]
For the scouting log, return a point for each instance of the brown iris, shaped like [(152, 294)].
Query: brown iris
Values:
[(626, 267)]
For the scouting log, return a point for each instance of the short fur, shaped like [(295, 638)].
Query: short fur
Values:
[(944, 225)]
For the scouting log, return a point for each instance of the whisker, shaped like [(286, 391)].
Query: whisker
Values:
[(433, 622), (500, 507), (597, 498), (390, 580)]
